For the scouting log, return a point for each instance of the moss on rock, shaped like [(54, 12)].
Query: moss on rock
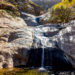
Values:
[(60, 15), (9, 8), (27, 6)]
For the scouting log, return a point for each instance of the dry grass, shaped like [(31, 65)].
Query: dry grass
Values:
[(9, 8)]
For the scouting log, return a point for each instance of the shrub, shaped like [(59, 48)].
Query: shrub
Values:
[(60, 15), (65, 4), (73, 12)]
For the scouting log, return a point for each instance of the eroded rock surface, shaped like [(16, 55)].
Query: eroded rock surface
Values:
[(66, 41), (15, 40)]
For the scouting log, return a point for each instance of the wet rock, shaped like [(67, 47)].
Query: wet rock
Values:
[(6, 60), (54, 59), (43, 38), (30, 19)]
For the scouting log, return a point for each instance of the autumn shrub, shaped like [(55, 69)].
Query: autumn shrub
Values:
[(60, 15), (73, 12), (65, 4)]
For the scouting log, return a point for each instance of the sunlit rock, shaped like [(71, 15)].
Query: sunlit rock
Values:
[(15, 39), (66, 41)]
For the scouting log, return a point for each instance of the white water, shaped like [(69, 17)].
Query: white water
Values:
[(39, 34), (42, 60)]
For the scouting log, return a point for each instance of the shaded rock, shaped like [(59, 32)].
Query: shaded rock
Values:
[(6, 60), (54, 59), (44, 19), (29, 19)]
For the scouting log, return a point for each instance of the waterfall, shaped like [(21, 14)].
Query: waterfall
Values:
[(42, 60)]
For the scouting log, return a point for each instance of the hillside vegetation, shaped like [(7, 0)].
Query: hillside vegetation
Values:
[(15, 7), (11, 9), (65, 4), (27, 6), (63, 11)]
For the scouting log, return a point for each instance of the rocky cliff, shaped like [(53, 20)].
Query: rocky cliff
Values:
[(18, 35), (15, 39)]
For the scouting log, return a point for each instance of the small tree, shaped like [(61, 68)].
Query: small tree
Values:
[(60, 15)]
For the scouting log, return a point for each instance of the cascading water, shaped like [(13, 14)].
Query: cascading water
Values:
[(52, 58), (42, 60), (44, 42), (42, 64)]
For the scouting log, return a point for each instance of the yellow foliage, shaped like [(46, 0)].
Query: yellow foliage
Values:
[(61, 15), (65, 4)]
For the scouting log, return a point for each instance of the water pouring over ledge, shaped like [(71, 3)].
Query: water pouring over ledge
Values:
[(42, 61), (44, 55), (42, 68)]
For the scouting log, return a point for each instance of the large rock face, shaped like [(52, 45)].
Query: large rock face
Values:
[(66, 41), (15, 40), (60, 36)]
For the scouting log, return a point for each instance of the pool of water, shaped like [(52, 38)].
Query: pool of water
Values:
[(19, 71)]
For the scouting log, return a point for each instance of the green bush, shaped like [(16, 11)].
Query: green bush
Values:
[(60, 15)]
